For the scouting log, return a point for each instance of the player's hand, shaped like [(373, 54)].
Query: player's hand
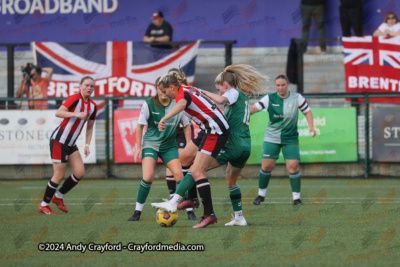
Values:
[(161, 125), (81, 115), (312, 132), (86, 151), (138, 153)]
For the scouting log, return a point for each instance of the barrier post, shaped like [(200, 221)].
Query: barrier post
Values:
[(107, 136), (366, 131)]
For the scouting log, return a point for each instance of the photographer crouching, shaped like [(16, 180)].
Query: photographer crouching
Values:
[(33, 85)]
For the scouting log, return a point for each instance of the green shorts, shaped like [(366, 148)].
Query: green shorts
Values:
[(289, 151), (236, 157), (166, 155)]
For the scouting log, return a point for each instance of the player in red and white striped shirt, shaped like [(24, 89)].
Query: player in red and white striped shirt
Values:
[(215, 132), (76, 111)]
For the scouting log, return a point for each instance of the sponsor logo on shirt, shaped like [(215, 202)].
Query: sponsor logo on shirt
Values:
[(266, 155), (275, 105), (148, 153), (157, 113)]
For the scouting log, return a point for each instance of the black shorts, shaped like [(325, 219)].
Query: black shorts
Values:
[(180, 136), (59, 152), (210, 144)]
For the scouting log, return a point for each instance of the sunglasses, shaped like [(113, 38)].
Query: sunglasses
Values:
[(391, 18)]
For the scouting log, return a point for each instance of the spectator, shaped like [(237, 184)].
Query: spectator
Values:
[(391, 26), (34, 85), (351, 17), (313, 9), (159, 30)]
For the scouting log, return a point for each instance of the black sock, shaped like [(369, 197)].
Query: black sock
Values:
[(171, 183), (50, 190), (205, 194), (192, 193), (69, 184), (185, 169)]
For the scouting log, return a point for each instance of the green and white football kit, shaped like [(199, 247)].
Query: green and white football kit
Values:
[(155, 143), (281, 133)]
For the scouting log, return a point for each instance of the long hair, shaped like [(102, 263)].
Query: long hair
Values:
[(155, 98), (172, 78), (391, 14), (245, 78)]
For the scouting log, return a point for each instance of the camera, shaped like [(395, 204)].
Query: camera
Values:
[(26, 71)]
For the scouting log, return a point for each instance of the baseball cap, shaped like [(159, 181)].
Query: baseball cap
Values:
[(157, 14)]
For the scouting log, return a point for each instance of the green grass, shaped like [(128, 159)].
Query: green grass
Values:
[(344, 222)]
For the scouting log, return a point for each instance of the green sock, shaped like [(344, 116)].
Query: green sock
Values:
[(236, 197), (263, 179), (295, 181), (143, 192), (186, 183), (185, 196)]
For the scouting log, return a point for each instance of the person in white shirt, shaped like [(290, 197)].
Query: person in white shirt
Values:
[(391, 26)]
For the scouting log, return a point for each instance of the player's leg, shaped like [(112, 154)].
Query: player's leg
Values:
[(291, 154), (59, 156), (78, 172), (149, 161), (232, 174), (270, 155), (171, 183)]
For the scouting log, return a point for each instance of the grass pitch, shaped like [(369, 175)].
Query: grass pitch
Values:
[(344, 222)]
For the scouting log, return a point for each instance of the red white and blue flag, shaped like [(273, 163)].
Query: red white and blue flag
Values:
[(372, 65), (119, 68)]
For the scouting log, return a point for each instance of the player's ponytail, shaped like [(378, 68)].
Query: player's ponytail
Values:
[(245, 78)]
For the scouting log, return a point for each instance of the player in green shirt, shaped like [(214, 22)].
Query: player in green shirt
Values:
[(234, 84), (156, 144), (281, 133)]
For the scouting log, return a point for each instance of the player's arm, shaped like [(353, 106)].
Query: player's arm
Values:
[(139, 135), (89, 134), (179, 107), (303, 106), (63, 112), (220, 99), (260, 105), (187, 130), (310, 120)]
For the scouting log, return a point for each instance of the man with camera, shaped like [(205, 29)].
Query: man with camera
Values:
[(34, 85)]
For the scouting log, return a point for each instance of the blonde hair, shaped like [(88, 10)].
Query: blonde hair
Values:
[(245, 78), (173, 78)]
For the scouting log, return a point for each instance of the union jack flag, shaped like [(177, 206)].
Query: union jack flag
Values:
[(119, 68), (372, 64)]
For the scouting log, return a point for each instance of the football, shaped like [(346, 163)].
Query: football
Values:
[(166, 218)]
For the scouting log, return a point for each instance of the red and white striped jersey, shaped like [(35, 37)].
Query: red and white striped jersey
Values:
[(201, 109), (70, 128)]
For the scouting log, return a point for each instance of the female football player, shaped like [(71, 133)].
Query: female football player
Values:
[(214, 134), (76, 111), (281, 133), (156, 144), (182, 135)]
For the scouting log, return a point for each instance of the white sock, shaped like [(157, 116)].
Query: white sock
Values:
[(175, 199), (238, 215), (59, 195), (139, 206), (189, 209), (296, 195), (44, 204), (262, 192)]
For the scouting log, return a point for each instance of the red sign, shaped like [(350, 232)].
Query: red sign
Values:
[(372, 65)]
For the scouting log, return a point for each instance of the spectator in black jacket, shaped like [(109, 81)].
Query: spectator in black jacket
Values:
[(351, 17), (159, 30), (313, 9)]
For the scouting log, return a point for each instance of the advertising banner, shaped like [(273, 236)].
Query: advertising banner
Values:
[(386, 134), (372, 65), (25, 137), (336, 139)]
